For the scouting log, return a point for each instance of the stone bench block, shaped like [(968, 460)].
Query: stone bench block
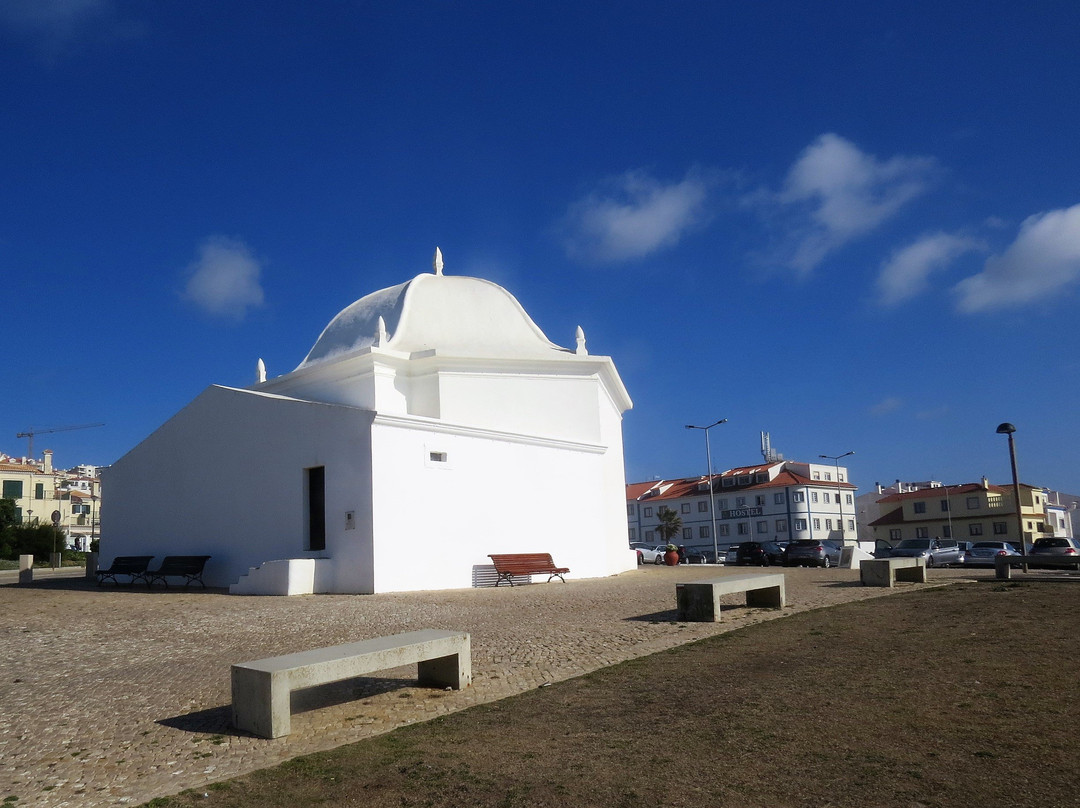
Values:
[(887, 571), (261, 689), (699, 601)]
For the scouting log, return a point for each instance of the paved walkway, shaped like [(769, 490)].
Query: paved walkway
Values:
[(116, 696)]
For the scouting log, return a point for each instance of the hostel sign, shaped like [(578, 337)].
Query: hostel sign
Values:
[(741, 513)]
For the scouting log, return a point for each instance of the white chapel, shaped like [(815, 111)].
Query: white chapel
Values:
[(431, 423)]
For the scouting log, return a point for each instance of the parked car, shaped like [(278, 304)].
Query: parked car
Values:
[(936, 552), (984, 553), (751, 553), (776, 551), (650, 553), (692, 555), (882, 549), (730, 554), (812, 553), (1055, 547)]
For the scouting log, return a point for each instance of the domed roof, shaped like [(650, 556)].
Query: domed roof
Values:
[(453, 315)]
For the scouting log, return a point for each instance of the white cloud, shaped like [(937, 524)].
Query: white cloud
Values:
[(886, 405), (225, 279), (904, 275), (633, 215), (55, 25), (1043, 260), (835, 193)]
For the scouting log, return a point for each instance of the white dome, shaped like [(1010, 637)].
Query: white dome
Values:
[(453, 315)]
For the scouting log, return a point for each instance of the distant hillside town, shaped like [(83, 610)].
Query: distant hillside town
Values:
[(69, 499)]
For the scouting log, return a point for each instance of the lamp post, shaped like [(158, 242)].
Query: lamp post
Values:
[(712, 503), (1009, 429), (839, 504)]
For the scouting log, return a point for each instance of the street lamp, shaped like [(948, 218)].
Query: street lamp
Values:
[(1009, 429), (712, 503), (839, 503)]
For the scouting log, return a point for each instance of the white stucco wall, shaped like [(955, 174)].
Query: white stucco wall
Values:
[(495, 493), (225, 477)]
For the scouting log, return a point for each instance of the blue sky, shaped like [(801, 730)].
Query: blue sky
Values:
[(853, 225)]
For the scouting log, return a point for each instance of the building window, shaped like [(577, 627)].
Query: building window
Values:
[(828, 476), (633, 534), (763, 527), (828, 524), (686, 507), (975, 529), (728, 482), (825, 498), (798, 496), (778, 499), (851, 525), (920, 507), (1000, 529), (316, 508), (740, 502), (12, 489), (813, 496), (724, 530), (650, 536), (840, 477), (781, 525), (703, 532), (743, 528), (703, 506), (744, 479), (848, 499), (817, 475), (800, 524), (688, 533), (648, 511), (944, 506), (922, 533), (721, 504), (760, 499), (994, 501), (817, 524), (894, 534), (946, 531), (39, 491), (630, 510), (972, 503), (437, 457)]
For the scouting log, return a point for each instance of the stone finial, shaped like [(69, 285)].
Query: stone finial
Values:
[(260, 371), (381, 336), (437, 262), (580, 337)]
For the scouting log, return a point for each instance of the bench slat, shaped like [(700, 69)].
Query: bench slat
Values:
[(510, 564)]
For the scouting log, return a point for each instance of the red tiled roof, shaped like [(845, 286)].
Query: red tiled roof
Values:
[(943, 490)]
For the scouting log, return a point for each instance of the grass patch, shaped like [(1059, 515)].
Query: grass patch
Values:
[(868, 703)]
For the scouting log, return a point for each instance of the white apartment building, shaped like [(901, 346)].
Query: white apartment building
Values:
[(781, 501)]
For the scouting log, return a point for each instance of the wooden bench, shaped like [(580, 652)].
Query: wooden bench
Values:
[(887, 571), (135, 566), (261, 689), (508, 565), (699, 601), (1003, 565), (190, 568)]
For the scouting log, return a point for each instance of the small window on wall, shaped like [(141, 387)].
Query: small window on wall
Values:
[(686, 507), (703, 532), (316, 508), (648, 511), (703, 506), (633, 534), (1000, 529), (781, 525), (800, 524), (725, 530), (763, 527), (975, 529), (894, 534), (688, 533), (922, 533)]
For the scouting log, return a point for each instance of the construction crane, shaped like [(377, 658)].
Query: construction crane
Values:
[(29, 434)]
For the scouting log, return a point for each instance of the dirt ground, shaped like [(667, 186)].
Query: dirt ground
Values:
[(957, 696)]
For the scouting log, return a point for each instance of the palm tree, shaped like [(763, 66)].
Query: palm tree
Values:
[(670, 524)]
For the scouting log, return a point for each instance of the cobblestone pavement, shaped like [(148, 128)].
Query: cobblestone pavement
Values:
[(115, 696)]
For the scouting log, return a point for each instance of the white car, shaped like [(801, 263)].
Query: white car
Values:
[(649, 553)]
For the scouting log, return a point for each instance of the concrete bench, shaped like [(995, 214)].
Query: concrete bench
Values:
[(700, 601), (261, 689), (887, 571), (1003, 565)]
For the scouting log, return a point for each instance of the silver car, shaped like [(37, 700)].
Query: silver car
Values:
[(984, 553), (936, 552), (1059, 546), (812, 553)]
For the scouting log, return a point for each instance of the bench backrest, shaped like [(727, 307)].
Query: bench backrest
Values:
[(182, 565), (509, 562), (130, 564)]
